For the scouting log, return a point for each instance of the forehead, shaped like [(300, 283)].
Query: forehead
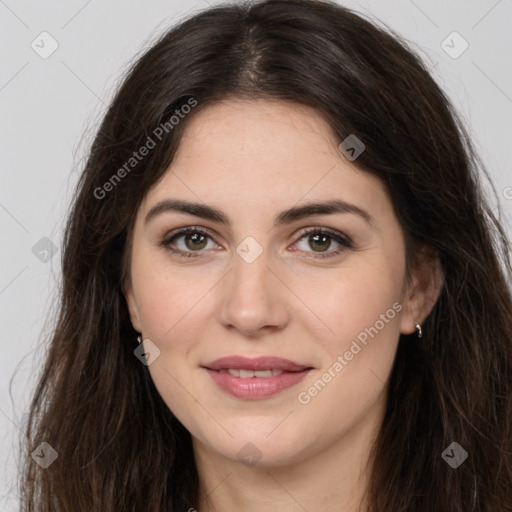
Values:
[(259, 155), (256, 128)]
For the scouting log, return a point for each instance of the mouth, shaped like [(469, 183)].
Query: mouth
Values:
[(258, 364), (246, 374), (257, 378)]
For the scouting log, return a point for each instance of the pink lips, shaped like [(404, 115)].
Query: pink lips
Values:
[(252, 388)]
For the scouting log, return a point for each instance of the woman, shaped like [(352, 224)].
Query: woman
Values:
[(282, 285)]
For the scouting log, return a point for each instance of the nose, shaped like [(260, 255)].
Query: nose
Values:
[(254, 297)]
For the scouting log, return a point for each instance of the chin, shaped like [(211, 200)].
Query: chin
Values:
[(258, 449)]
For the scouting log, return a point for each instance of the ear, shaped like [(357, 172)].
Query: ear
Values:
[(422, 292), (132, 305)]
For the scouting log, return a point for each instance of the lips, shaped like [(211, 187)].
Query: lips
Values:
[(256, 364), (259, 378)]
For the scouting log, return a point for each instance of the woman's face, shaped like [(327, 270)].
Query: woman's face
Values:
[(257, 283)]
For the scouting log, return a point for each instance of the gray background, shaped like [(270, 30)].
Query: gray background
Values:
[(51, 107)]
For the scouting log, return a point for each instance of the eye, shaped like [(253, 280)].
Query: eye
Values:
[(320, 239), (195, 239)]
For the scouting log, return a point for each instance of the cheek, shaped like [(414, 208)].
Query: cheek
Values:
[(168, 297), (347, 302), (173, 310), (360, 311), (362, 314)]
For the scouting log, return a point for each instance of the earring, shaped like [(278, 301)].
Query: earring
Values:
[(139, 338), (418, 329)]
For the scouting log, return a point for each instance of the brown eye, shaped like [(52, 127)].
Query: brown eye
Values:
[(321, 239), (320, 242), (185, 242), (195, 241)]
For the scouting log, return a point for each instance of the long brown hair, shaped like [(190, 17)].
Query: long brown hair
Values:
[(119, 446)]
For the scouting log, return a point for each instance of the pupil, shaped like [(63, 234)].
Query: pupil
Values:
[(325, 245), (194, 238)]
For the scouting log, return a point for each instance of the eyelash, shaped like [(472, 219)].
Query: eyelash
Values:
[(344, 241)]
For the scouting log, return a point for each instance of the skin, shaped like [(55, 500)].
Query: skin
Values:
[(253, 159)]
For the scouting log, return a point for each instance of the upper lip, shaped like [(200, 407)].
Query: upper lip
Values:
[(258, 363)]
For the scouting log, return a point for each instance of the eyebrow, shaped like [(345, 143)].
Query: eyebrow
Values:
[(293, 214)]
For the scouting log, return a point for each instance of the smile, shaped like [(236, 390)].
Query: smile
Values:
[(245, 374), (255, 378)]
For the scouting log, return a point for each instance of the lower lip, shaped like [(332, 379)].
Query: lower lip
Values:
[(253, 388)]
